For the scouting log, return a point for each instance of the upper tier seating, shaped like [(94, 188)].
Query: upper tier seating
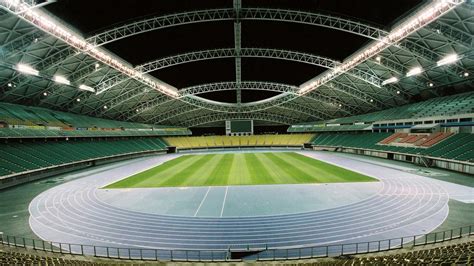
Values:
[(456, 147), (237, 141), (442, 106), (15, 114), (47, 133), (19, 157)]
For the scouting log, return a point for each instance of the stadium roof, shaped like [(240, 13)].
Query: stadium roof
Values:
[(195, 63)]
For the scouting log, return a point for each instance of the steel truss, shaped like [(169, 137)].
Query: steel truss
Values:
[(221, 53), (281, 119), (244, 52), (319, 110), (354, 96), (214, 15)]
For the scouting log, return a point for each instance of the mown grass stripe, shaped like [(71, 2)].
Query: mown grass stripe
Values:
[(335, 173), (273, 169), (297, 174), (155, 171), (240, 169), (221, 172), (186, 174), (258, 173)]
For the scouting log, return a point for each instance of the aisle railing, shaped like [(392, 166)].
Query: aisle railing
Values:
[(249, 252)]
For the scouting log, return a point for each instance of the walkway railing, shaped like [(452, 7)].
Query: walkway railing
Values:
[(233, 254)]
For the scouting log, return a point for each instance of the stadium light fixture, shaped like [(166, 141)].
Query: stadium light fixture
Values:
[(61, 80), (420, 19), (431, 84), (25, 10), (78, 99), (86, 88), (9, 84), (449, 59), (26, 69), (466, 74), (398, 92), (414, 71), (390, 81)]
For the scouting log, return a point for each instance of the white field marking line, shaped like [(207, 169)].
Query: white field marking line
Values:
[(96, 199), (105, 203), (332, 241), (223, 202), (202, 201)]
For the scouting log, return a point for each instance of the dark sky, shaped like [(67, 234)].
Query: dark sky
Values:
[(90, 17)]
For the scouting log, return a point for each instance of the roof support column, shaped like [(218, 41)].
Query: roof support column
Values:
[(237, 46)]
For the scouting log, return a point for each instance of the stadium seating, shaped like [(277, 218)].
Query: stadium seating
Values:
[(456, 254), (45, 133), (412, 140), (19, 157), (23, 258), (239, 141), (456, 147), (39, 118), (442, 106), (453, 254)]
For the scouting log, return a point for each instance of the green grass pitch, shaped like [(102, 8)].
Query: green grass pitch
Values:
[(240, 169)]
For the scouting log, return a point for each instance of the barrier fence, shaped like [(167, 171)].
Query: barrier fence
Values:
[(250, 252)]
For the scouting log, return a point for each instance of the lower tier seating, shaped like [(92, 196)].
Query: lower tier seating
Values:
[(456, 147), (423, 140), (237, 141), (456, 254), (18, 157)]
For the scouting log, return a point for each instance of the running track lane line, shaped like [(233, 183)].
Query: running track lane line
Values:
[(223, 202), (202, 201)]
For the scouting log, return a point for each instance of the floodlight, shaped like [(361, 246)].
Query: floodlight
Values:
[(414, 71), (86, 88), (62, 80), (449, 59), (27, 69), (390, 80)]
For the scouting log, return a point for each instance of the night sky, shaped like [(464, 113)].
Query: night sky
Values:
[(90, 17)]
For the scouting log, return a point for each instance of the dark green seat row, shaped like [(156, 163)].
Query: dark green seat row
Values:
[(44, 133), (14, 114), (19, 157)]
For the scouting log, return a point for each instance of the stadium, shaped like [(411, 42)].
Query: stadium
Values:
[(321, 132)]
